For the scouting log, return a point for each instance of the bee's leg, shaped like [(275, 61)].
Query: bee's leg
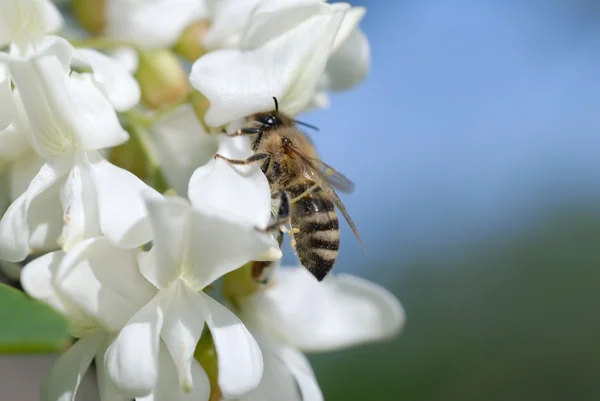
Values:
[(305, 193), (265, 158), (247, 131), (244, 131)]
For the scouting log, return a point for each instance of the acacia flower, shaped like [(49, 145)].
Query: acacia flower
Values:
[(233, 25), (191, 249), (24, 22), (296, 313), (152, 24), (76, 194), (98, 287), (140, 314), (284, 54)]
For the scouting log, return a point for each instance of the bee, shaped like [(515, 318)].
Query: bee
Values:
[(304, 185)]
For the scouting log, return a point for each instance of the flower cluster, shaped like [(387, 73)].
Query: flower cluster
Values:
[(124, 221)]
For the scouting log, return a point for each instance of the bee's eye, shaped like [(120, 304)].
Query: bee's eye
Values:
[(270, 120), (285, 141)]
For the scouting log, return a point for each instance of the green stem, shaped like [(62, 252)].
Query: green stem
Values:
[(138, 129), (102, 43)]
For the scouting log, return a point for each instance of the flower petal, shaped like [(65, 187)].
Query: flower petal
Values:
[(26, 21), (131, 361), (14, 232), (168, 388), (108, 390), (37, 277), (237, 193), (170, 220), (117, 83), (128, 57), (62, 382), (13, 143), (44, 219), (79, 202), (23, 170), (7, 112), (349, 25), (228, 19), (94, 119), (277, 382), (16, 226), (239, 357), (349, 65), (104, 281), (299, 366), (128, 21), (123, 216), (220, 247), (43, 102), (182, 146), (175, 225), (337, 313), (181, 330), (239, 83), (63, 111)]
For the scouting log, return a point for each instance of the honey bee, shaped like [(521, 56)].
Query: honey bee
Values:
[(305, 186)]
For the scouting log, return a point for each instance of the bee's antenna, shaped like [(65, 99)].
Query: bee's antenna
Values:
[(308, 125), (276, 104)]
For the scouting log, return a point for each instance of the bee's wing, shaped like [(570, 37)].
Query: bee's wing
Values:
[(321, 171), (322, 174)]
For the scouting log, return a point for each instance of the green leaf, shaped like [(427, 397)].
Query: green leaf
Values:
[(29, 326)]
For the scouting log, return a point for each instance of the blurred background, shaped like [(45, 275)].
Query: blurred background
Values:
[(475, 145)]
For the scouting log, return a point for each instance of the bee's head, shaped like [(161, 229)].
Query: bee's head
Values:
[(272, 119)]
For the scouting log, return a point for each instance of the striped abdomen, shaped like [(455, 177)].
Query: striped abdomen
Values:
[(318, 236)]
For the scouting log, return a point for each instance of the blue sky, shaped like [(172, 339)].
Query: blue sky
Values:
[(477, 116)]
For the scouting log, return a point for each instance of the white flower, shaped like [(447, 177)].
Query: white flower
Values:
[(238, 193), (112, 77), (67, 118), (286, 370), (229, 18), (98, 287), (236, 24), (350, 58), (349, 61), (26, 21), (192, 248), (284, 54), (298, 313), (182, 146), (151, 24)]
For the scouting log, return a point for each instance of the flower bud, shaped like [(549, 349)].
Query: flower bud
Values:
[(91, 14), (162, 79), (130, 156), (190, 44), (239, 283)]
